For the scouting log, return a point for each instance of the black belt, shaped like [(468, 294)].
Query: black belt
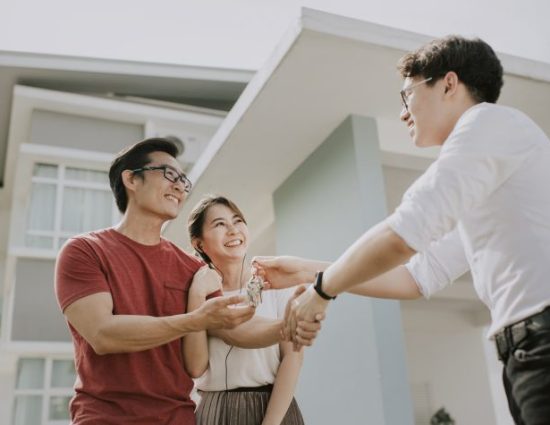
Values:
[(509, 338), (262, 389)]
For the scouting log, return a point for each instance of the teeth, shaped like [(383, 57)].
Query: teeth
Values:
[(234, 243), (172, 198)]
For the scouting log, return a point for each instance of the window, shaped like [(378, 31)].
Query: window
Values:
[(43, 389), (66, 201)]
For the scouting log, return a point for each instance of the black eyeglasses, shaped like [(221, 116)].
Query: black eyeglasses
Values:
[(405, 93), (170, 174)]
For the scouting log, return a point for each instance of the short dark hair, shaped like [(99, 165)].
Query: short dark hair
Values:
[(473, 60), (133, 157), (195, 222)]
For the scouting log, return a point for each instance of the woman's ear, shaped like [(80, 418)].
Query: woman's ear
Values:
[(197, 245)]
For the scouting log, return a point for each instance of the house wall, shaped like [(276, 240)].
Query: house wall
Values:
[(445, 355), (356, 370)]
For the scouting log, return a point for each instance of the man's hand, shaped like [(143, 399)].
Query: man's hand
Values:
[(282, 272), (223, 313), (306, 330), (303, 311)]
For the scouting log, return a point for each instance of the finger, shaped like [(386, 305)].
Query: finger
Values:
[(236, 317), (289, 331), (320, 316), (305, 342), (292, 320), (231, 300), (263, 260), (307, 326), (299, 290), (306, 334)]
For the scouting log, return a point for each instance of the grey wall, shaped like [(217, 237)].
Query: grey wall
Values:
[(79, 132), (355, 373), (36, 316)]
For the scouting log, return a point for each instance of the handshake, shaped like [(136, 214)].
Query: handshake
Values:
[(306, 309)]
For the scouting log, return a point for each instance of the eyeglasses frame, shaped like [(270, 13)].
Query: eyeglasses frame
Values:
[(404, 91), (187, 185)]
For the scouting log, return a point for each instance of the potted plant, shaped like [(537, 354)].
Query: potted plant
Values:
[(441, 417)]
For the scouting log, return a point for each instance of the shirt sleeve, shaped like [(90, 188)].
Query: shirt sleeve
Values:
[(442, 263), (78, 273), (481, 153)]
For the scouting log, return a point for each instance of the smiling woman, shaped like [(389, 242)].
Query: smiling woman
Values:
[(238, 386)]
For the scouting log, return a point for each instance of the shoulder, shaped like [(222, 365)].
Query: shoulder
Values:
[(487, 128), (189, 260)]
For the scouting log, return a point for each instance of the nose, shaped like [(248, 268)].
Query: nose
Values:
[(405, 114), (231, 228), (178, 185)]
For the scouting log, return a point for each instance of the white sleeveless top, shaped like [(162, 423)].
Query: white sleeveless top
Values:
[(245, 367)]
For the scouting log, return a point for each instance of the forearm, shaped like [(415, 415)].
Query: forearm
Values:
[(195, 345), (376, 252), (259, 332), (310, 269), (131, 333), (283, 388), (397, 283)]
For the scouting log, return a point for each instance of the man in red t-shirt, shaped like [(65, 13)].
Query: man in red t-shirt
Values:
[(123, 291)]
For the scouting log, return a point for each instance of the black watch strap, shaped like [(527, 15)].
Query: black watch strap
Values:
[(319, 289)]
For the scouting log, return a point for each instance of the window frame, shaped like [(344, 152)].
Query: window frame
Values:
[(47, 391)]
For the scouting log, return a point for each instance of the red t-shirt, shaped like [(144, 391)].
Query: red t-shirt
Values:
[(147, 387)]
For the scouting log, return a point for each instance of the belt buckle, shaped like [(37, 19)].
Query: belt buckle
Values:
[(518, 332), (502, 345)]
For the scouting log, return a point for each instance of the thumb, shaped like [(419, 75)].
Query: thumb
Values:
[(264, 261), (231, 300), (299, 290)]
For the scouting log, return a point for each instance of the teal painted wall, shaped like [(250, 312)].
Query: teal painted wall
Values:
[(356, 372)]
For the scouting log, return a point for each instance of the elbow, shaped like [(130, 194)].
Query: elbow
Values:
[(102, 345), (400, 246), (100, 348), (196, 371)]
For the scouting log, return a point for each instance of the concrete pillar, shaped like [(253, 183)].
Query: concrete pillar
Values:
[(356, 371)]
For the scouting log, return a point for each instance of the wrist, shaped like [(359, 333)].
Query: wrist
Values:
[(197, 322), (318, 299), (318, 287)]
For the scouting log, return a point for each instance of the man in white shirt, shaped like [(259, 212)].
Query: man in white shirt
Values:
[(483, 205)]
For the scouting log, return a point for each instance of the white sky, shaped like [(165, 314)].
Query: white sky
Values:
[(243, 33)]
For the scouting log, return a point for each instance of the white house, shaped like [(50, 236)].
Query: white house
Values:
[(312, 151)]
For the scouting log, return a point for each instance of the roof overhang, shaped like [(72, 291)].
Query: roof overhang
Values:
[(326, 68), (200, 86)]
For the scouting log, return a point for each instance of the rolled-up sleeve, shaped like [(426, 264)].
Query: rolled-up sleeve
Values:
[(442, 263), (477, 158)]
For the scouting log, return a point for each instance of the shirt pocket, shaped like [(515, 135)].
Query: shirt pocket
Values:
[(175, 299)]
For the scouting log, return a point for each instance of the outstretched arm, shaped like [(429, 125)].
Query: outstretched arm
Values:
[(92, 316)]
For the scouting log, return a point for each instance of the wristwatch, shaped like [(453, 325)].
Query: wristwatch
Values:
[(319, 289)]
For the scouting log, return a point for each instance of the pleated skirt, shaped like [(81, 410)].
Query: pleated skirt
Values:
[(236, 407)]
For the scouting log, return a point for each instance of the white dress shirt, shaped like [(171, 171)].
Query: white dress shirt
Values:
[(484, 204)]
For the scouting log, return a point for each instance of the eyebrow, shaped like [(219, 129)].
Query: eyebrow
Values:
[(172, 168), (223, 219)]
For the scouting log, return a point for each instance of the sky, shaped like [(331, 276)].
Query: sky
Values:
[(242, 34)]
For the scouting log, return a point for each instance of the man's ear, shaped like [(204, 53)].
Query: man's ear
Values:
[(451, 82), (129, 180)]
